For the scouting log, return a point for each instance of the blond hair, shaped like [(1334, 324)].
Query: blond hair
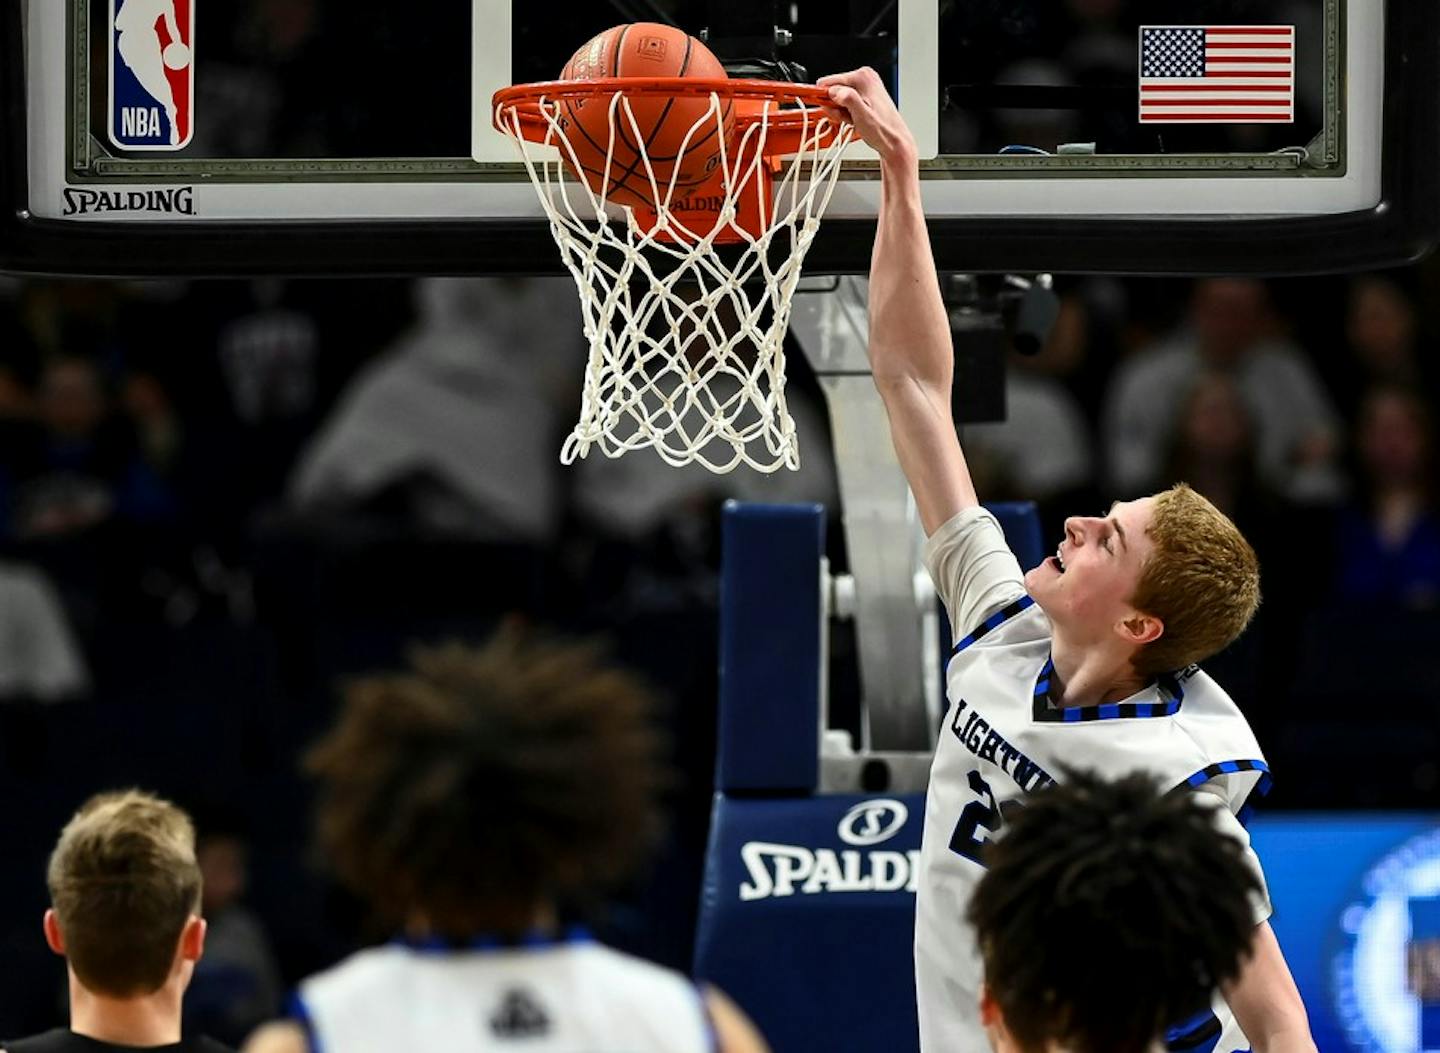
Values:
[(123, 882), (1202, 581)]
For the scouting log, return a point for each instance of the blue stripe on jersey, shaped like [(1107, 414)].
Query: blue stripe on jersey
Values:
[(1042, 683), (1262, 785), (1261, 789), (1199, 1034), (1228, 767), (995, 621), (1107, 710), (297, 1011)]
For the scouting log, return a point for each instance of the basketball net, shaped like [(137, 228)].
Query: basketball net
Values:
[(686, 306)]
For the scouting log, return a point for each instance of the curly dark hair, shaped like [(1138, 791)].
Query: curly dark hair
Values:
[(1110, 912), (484, 784)]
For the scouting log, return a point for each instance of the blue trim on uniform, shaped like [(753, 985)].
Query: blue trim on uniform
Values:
[(993, 622), (1262, 787), (530, 940), (1106, 710), (1230, 767), (707, 1020), (297, 1011), (1198, 1034), (1042, 682)]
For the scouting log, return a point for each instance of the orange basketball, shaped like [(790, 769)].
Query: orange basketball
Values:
[(643, 49)]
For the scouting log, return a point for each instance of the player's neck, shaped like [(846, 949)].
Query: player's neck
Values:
[(149, 1020), (1092, 674)]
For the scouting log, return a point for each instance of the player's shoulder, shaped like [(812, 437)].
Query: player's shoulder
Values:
[(1010, 621), (635, 973), (1222, 738), (1202, 696), (371, 969)]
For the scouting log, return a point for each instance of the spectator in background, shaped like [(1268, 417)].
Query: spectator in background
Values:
[(79, 469), (236, 986), (458, 427), (1382, 332), (39, 658), (1232, 330), (125, 895), (19, 362), (269, 358), (471, 801), (160, 437), (658, 526), (1213, 449), (1388, 543), (1041, 451)]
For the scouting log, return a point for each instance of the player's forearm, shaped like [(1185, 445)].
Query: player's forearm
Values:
[(1287, 1039), (909, 329), (1266, 1002)]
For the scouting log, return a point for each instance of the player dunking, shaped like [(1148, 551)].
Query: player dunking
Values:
[(139, 46), (1085, 661)]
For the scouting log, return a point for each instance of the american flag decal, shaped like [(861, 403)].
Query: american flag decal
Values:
[(1217, 74)]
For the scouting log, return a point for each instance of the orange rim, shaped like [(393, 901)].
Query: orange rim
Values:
[(798, 102)]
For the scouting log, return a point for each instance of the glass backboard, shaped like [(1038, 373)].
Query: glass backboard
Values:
[(1037, 119)]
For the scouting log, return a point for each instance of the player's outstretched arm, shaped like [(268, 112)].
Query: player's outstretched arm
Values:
[(1266, 1002), (911, 354), (280, 1036), (734, 1033)]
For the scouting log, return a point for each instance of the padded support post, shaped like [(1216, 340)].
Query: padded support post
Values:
[(895, 633), (1021, 522), (824, 888), (771, 654)]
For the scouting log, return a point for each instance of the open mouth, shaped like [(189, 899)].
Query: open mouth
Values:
[(1059, 560)]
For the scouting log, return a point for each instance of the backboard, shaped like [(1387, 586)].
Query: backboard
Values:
[(1170, 136)]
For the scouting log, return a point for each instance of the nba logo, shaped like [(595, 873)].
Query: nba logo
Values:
[(152, 73)]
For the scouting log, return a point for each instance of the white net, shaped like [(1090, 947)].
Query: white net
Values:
[(686, 319)]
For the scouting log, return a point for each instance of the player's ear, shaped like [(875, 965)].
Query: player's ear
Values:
[(1139, 629), (54, 938), (989, 1011), (993, 1022), (192, 939)]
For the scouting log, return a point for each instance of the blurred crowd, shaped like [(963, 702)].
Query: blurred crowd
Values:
[(218, 500)]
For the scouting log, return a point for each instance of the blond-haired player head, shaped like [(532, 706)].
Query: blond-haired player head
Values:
[(125, 914)]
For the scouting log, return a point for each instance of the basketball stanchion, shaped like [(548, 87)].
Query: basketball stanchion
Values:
[(686, 286)]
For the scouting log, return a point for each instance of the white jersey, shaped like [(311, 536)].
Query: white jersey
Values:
[(1003, 739), (571, 996)]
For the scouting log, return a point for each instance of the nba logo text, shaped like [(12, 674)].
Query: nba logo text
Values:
[(152, 73)]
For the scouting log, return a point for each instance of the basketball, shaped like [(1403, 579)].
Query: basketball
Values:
[(175, 56), (643, 49)]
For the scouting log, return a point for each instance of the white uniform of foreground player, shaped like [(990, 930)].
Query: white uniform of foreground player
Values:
[(1071, 679), (549, 997)]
